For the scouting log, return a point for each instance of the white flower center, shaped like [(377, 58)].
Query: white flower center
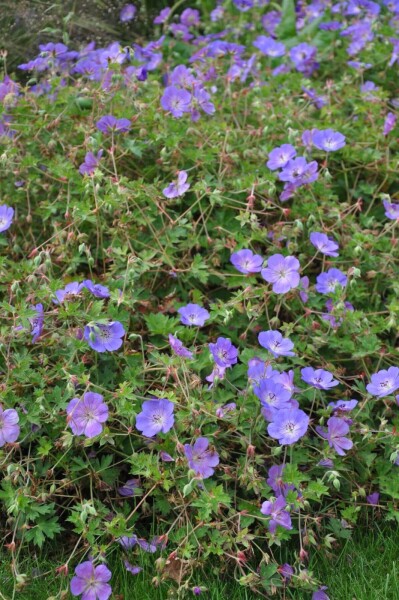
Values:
[(290, 427), (158, 418)]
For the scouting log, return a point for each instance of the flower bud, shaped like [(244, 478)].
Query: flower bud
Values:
[(251, 451), (303, 555)]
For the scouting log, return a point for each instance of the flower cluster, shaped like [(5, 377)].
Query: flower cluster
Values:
[(186, 94), (190, 366)]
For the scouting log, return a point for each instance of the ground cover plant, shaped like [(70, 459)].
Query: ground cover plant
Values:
[(199, 296), (364, 567)]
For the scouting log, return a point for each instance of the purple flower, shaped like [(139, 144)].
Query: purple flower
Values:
[(162, 17), (318, 101), (89, 68), (391, 210), (110, 124), (304, 285), (36, 322), (258, 370), (6, 217), (178, 348), (156, 416), (384, 382), (127, 13), (367, 87), (71, 289), (165, 457), (324, 244), (54, 50), (273, 397), (269, 46), (270, 21), (395, 52), (202, 99), (128, 541), (307, 138), (180, 31), (243, 5), (190, 17), (241, 69), (275, 343), (320, 594), (310, 174), (279, 516), (335, 435), (373, 498), (37, 64), (181, 76), (286, 380), (200, 458), (272, 394), (223, 410), (129, 488), (178, 188), (8, 86), (328, 140), (5, 127), (282, 272), (217, 373), (318, 378), (91, 581), (90, 163), (360, 33), (217, 14), (103, 338), (134, 570), (193, 314), (152, 545), (275, 481), (304, 58), (223, 352), (328, 282), (288, 425), (326, 463), (336, 312), (246, 261), (299, 172), (99, 291), (355, 64), (279, 157), (286, 571), (280, 70), (176, 100), (9, 428), (389, 123), (343, 406), (86, 415)]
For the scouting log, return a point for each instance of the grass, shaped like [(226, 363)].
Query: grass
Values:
[(366, 568), (363, 568)]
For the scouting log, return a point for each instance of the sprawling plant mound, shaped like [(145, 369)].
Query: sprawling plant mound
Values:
[(199, 294)]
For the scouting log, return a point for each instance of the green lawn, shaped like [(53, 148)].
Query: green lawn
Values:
[(365, 568)]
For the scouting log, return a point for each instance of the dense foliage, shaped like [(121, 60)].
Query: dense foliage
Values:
[(199, 294), (26, 23)]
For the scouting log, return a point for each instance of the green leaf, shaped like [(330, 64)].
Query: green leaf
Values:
[(287, 26), (43, 528), (316, 489), (160, 324), (199, 269), (188, 488), (267, 571)]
